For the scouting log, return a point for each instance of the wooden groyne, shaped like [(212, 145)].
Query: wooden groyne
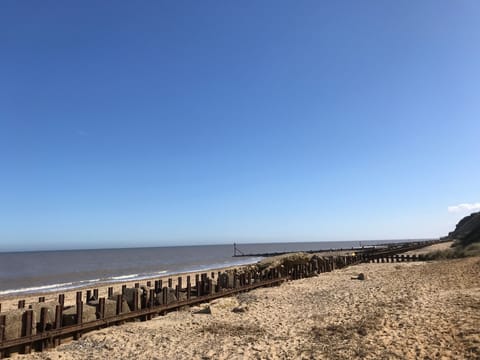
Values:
[(44, 325), (369, 249)]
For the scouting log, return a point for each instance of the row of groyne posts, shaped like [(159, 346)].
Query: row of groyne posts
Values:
[(43, 325)]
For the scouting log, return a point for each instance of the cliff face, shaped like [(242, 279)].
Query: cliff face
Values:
[(467, 230)]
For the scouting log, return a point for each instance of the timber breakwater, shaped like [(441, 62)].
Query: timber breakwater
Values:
[(45, 324)]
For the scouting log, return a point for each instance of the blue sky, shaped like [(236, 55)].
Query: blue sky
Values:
[(181, 122)]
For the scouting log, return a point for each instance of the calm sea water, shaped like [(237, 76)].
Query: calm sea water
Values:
[(26, 272)]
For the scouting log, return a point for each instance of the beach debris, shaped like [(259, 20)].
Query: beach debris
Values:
[(203, 309), (360, 276)]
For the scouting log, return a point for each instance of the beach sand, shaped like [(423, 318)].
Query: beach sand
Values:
[(423, 310)]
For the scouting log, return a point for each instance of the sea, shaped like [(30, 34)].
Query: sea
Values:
[(48, 271)]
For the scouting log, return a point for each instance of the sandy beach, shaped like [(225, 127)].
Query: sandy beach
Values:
[(421, 310)]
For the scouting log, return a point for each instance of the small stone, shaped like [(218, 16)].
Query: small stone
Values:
[(239, 309)]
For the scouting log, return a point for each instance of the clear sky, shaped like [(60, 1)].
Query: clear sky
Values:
[(180, 122)]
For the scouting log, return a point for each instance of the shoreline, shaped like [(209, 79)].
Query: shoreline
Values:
[(115, 280), (10, 301)]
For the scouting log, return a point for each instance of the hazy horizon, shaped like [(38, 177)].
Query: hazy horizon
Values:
[(239, 244)]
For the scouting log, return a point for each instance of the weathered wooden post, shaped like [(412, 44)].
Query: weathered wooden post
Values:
[(135, 299), (27, 326), (199, 288), (119, 307), (235, 279), (21, 304), (110, 291), (165, 295), (177, 292), (79, 315), (180, 284), (149, 283), (41, 299), (58, 321), (95, 294), (151, 298), (101, 308), (170, 283), (189, 288), (210, 286), (42, 327), (2, 333)]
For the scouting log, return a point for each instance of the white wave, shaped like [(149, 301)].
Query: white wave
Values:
[(45, 288), (123, 277), (49, 288)]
